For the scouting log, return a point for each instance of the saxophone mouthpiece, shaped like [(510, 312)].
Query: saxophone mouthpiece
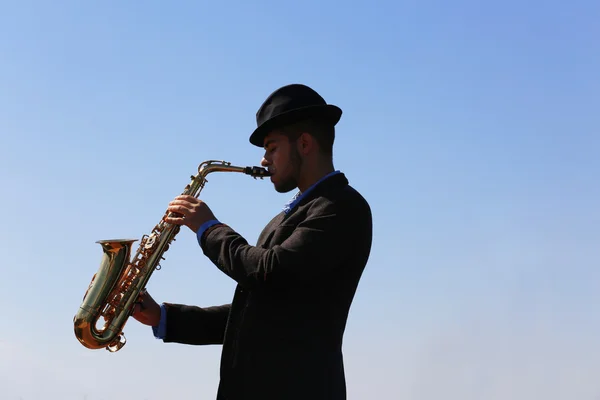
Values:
[(257, 172)]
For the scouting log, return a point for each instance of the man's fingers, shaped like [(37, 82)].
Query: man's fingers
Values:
[(188, 198), (182, 210), (178, 216), (137, 308), (175, 220), (181, 203)]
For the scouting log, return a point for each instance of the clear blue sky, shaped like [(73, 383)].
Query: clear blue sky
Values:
[(472, 128)]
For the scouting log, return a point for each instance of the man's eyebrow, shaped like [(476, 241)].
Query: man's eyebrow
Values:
[(268, 142)]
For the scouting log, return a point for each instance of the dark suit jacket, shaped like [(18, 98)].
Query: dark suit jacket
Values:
[(282, 333)]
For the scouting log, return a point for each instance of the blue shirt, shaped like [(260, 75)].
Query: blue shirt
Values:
[(161, 330)]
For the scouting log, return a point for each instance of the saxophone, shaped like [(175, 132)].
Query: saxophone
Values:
[(119, 283)]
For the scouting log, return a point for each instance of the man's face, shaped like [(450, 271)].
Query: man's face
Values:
[(283, 161)]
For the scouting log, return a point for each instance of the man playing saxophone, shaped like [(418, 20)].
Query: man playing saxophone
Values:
[(282, 332)]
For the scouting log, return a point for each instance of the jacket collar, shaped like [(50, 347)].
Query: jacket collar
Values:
[(329, 179)]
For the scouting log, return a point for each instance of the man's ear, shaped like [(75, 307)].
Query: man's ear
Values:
[(305, 143)]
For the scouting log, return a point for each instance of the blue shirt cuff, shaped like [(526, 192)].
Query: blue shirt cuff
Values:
[(160, 331), (204, 227)]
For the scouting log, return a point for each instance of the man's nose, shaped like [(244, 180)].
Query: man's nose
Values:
[(264, 162)]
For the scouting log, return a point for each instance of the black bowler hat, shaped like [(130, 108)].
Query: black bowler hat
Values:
[(289, 104)]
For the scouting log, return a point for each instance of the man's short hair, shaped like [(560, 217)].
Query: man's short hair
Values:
[(323, 133)]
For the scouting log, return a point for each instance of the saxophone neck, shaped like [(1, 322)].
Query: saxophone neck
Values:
[(206, 167)]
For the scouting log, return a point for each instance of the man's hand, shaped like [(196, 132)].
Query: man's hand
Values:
[(147, 311), (190, 212)]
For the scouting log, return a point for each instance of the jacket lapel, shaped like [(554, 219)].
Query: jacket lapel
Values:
[(267, 233), (338, 180)]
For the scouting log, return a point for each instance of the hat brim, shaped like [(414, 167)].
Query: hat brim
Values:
[(328, 113)]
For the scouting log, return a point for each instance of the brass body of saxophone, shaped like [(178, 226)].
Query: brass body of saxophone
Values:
[(119, 282)]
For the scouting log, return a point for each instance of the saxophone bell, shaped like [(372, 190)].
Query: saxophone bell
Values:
[(101, 300)]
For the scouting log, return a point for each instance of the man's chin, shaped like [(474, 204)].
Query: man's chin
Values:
[(284, 187)]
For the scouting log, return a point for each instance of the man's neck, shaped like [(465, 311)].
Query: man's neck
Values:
[(312, 177)]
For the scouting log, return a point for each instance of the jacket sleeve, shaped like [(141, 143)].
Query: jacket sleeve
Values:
[(196, 325), (315, 246)]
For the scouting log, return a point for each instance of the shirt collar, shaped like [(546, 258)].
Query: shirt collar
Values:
[(289, 206)]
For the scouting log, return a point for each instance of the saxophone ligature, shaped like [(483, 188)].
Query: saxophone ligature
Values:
[(119, 282)]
